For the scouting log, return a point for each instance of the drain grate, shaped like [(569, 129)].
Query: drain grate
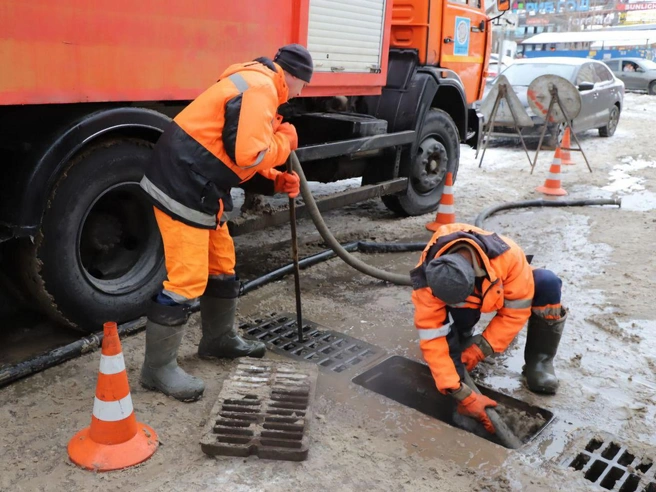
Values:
[(263, 409), (611, 465), (411, 384), (331, 350)]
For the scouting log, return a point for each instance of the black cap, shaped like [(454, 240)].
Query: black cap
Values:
[(295, 60)]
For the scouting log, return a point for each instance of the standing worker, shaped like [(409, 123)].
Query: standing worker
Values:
[(464, 271), (223, 138)]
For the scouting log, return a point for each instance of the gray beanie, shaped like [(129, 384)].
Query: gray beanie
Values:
[(296, 60), (451, 278)]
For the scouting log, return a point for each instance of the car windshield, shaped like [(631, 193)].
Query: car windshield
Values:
[(525, 73), (648, 64)]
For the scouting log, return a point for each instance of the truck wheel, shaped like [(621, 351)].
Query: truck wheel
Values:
[(437, 152), (613, 120), (98, 256)]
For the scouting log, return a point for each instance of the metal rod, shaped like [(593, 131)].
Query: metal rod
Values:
[(490, 128), (569, 123), (544, 130), (297, 271)]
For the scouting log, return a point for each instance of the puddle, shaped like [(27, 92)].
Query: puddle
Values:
[(625, 183)]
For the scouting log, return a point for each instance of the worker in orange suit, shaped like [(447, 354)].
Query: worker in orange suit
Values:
[(463, 272), (226, 136)]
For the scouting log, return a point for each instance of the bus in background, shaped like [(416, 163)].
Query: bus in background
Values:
[(599, 45)]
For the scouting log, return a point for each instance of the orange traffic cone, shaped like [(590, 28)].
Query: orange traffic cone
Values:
[(446, 212), (565, 156), (115, 439), (552, 183)]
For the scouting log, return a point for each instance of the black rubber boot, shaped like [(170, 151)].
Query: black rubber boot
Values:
[(542, 339), (220, 337), (160, 369)]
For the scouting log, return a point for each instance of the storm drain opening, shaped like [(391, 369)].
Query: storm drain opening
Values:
[(411, 383), (330, 350), (264, 409), (609, 464)]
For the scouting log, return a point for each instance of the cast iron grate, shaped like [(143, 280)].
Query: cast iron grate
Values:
[(411, 383), (611, 465), (331, 350), (263, 409)]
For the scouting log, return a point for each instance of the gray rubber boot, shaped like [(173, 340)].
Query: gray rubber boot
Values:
[(220, 337), (160, 370), (542, 339)]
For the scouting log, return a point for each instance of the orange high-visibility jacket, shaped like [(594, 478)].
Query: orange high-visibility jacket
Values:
[(221, 139), (508, 289)]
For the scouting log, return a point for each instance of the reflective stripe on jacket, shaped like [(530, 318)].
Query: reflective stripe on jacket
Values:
[(221, 139), (508, 289)]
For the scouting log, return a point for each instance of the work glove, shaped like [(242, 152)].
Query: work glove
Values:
[(476, 352), (288, 130), (287, 183), (471, 404)]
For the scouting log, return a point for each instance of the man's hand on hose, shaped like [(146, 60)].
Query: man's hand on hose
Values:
[(471, 404), (287, 183), (288, 130)]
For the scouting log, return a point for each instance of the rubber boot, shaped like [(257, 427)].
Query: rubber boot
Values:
[(220, 338), (160, 370), (542, 339)]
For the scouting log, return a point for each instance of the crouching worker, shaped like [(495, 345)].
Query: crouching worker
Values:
[(223, 138), (463, 272)]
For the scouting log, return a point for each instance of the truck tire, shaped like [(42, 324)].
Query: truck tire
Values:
[(437, 152), (98, 256)]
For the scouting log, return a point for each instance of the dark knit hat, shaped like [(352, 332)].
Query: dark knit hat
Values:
[(451, 278), (295, 60)]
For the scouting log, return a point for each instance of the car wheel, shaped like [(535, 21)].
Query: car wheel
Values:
[(652, 88), (554, 136), (98, 256), (438, 152), (613, 120)]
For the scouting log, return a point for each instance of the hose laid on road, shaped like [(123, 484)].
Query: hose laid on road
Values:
[(480, 219)]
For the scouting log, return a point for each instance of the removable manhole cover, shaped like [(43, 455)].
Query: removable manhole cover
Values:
[(263, 409), (605, 461), (331, 350)]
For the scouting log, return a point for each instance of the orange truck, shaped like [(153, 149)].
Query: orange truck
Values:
[(86, 88)]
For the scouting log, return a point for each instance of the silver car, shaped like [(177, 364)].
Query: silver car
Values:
[(602, 94), (637, 74)]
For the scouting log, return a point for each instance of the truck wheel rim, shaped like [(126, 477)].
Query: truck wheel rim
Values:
[(119, 248), (430, 166)]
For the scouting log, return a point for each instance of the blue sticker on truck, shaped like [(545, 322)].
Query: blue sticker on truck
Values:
[(461, 47)]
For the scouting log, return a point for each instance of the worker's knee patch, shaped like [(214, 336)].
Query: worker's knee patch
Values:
[(547, 288)]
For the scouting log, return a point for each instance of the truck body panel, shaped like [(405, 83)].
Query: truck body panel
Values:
[(121, 50)]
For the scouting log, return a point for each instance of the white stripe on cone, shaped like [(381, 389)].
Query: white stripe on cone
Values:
[(112, 364), (556, 161), (554, 177), (446, 209), (112, 411), (448, 190)]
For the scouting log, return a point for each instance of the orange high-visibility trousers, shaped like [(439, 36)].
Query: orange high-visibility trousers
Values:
[(192, 255)]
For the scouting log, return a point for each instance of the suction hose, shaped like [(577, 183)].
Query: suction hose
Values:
[(330, 240)]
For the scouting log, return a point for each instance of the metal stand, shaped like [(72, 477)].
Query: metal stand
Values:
[(502, 94), (555, 99)]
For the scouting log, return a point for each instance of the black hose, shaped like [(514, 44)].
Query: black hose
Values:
[(62, 354), (480, 219), (92, 342)]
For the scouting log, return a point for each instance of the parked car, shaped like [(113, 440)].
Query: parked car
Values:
[(637, 74), (602, 94)]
